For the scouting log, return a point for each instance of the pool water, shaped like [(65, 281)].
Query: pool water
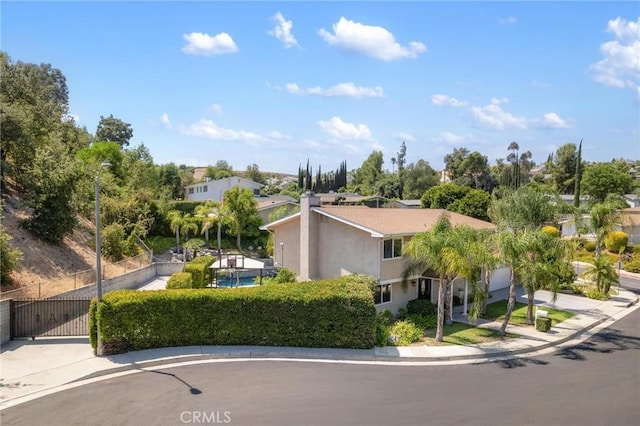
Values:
[(228, 282)]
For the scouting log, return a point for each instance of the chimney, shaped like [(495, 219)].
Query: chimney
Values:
[(308, 236)]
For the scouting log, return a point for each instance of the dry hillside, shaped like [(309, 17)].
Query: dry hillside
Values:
[(45, 264)]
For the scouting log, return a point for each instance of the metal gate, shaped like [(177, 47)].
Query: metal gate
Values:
[(49, 317)]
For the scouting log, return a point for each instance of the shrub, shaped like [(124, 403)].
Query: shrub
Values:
[(423, 321), (402, 313), (552, 231), (421, 307), (113, 241), (615, 241), (385, 317), (382, 335), (180, 280), (636, 248), (199, 270), (632, 266), (284, 275), (404, 333), (543, 324), (590, 246), (596, 294), (9, 257), (337, 313), (579, 242)]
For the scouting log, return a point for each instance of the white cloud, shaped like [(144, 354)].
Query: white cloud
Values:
[(551, 120), (376, 42), (343, 130), (204, 44), (446, 100), (347, 90), (493, 116), (402, 136), (165, 120), (216, 109), (282, 31), (499, 101), (620, 66), (450, 138), (508, 20), (208, 129), (540, 84)]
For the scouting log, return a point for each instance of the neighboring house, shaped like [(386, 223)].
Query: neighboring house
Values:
[(630, 223), (213, 190), (327, 241), (403, 204), (267, 205), (632, 200)]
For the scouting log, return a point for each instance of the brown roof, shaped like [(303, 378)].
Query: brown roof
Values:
[(263, 204), (397, 221)]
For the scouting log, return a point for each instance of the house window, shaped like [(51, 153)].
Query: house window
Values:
[(190, 190), (392, 248), (205, 188), (382, 294)]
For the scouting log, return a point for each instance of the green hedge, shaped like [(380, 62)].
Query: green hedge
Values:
[(335, 313), (199, 270), (180, 280), (543, 324)]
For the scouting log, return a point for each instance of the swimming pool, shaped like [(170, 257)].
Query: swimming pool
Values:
[(228, 282)]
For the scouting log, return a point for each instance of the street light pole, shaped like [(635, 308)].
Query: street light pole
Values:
[(99, 348)]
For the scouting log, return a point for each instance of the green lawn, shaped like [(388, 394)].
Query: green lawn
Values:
[(496, 311), (159, 245), (464, 334)]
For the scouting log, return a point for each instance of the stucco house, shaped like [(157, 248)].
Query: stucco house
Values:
[(213, 190), (268, 205), (630, 223), (327, 241)]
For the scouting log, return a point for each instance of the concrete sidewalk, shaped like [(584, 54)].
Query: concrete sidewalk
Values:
[(34, 368)]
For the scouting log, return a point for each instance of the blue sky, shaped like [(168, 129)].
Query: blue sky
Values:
[(277, 83)]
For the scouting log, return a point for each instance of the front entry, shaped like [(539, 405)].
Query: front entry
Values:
[(424, 288)]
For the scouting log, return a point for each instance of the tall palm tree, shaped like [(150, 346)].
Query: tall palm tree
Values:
[(175, 223), (208, 214), (542, 263), (428, 250), (511, 248), (602, 221)]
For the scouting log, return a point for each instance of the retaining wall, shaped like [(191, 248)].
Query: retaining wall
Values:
[(130, 280)]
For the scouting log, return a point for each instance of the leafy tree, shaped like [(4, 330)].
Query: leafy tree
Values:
[(141, 171), (169, 178), (9, 258), (476, 167), (221, 170), (241, 209), (100, 152), (369, 173), (50, 194), (253, 173), (474, 204), (388, 186), (602, 220), (33, 102), (454, 161), (602, 179), (113, 129), (113, 241), (418, 178), (563, 168), (442, 196)]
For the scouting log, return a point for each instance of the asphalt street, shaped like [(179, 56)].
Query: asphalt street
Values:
[(596, 382)]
